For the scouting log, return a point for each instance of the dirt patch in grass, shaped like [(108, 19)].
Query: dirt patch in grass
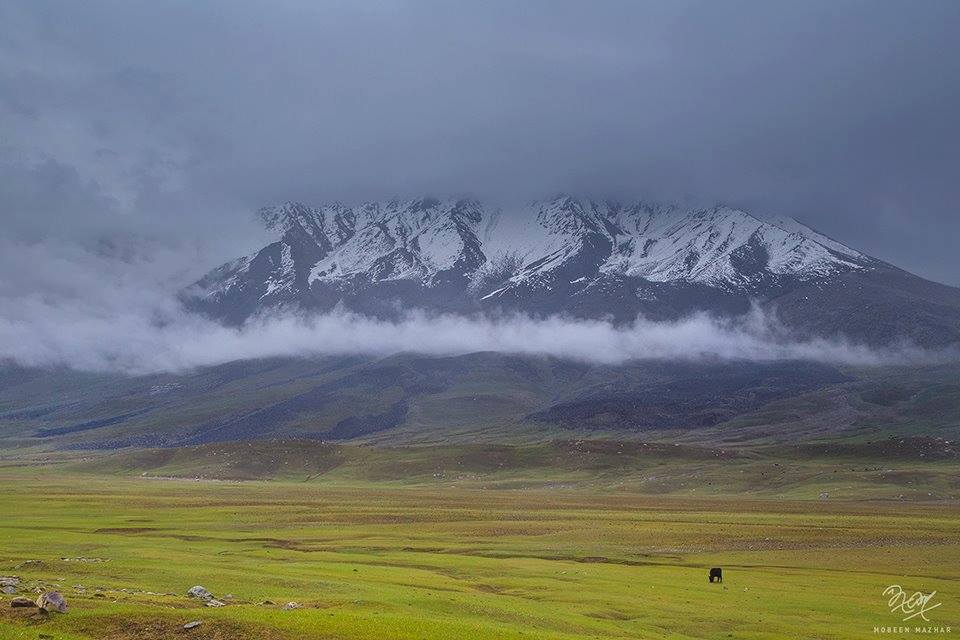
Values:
[(489, 588), (22, 615), (122, 628), (610, 615)]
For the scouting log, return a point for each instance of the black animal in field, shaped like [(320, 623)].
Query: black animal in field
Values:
[(717, 573)]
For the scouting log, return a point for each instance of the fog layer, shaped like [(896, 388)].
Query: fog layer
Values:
[(99, 311)]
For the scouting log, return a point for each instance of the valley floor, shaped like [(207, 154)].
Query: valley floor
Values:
[(374, 561)]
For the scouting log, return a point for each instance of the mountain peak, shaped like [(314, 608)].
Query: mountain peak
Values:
[(416, 239), (564, 254)]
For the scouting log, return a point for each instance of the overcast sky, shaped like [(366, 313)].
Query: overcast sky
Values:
[(173, 121)]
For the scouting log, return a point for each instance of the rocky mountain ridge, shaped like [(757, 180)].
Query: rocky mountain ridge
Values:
[(577, 257)]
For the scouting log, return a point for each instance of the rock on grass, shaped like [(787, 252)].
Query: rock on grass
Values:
[(52, 601), (199, 592)]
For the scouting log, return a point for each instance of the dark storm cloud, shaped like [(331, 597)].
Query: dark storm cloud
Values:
[(176, 119)]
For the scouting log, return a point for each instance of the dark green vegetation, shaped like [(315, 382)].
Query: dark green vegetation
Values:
[(783, 429), (488, 398), (903, 469)]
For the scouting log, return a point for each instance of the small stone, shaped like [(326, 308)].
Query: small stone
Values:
[(199, 592), (52, 601), (9, 581), (213, 602), (192, 625), (291, 605), (21, 602), (8, 589)]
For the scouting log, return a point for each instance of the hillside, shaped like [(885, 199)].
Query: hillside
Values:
[(480, 398)]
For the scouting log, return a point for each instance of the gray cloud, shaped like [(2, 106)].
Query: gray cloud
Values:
[(175, 120)]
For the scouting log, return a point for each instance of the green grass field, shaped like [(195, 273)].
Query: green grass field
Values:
[(441, 559)]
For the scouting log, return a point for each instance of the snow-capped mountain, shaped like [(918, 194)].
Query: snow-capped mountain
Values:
[(574, 256)]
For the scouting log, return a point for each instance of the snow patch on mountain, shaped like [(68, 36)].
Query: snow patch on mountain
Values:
[(720, 247), (401, 240), (564, 239)]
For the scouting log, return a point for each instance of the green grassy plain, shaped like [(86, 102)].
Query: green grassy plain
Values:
[(437, 559)]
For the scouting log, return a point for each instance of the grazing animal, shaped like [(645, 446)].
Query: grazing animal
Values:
[(717, 573)]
